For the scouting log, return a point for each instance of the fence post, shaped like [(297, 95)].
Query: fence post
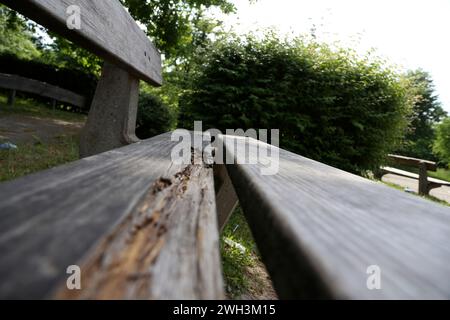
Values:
[(423, 180)]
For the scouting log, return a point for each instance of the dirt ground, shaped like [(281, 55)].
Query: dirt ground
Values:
[(18, 128), (261, 289)]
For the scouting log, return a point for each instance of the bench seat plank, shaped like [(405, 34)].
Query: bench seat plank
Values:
[(117, 208), (106, 29), (319, 229), (413, 175)]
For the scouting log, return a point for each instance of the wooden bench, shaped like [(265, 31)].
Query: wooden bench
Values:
[(140, 225), (319, 228), (16, 83), (425, 184)]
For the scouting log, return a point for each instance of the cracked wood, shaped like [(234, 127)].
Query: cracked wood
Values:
[(139, 226), (164, 250)]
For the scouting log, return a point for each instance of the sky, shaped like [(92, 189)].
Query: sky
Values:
[(408, 33)]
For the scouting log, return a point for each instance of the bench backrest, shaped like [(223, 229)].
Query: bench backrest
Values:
[(414, 162), (107, 30)]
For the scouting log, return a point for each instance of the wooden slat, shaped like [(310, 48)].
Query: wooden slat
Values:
[(107, 30), (413, 175), (9, 81), (319, 229), (138, 225), (399, 172), (412, 161)]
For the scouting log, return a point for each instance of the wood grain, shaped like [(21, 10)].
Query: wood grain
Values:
[(9, 81), (107, 30), (132, 208), (319, 228)]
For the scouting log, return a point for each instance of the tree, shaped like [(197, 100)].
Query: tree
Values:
[(174, 24), (62, 53), (16, 35), (330, 105), (441, 145), (427, 111)]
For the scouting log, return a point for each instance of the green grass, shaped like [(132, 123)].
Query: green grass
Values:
[(244, 272), (443, 174), (234, 262), (36, 156), (30, 107)]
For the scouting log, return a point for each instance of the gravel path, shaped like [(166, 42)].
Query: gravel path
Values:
[(21, 128), (442, 193)]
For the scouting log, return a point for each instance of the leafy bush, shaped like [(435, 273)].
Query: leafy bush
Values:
[(330, 105), (442, 143), (16, 35), (154, 117)]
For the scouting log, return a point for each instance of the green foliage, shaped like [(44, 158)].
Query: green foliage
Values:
[(175, 25), (427, 111), (64, 54), (16, 35), (330, 105), (234, 261), (154, 117), (442, 143)]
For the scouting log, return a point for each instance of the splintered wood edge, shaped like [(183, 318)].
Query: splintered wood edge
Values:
[(121, 265)]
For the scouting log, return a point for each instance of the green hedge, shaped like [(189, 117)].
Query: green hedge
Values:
[(154, 117), (330, 105)]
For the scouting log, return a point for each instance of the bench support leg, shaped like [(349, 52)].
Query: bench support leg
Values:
[(112, 117), (226, 198), (423, 180), (11, 97)]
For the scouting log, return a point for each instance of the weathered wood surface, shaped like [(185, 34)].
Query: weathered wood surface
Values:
[(319, 229), (13, 82), (107, 30), (430, 165), (138, 225), (112, 117)]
